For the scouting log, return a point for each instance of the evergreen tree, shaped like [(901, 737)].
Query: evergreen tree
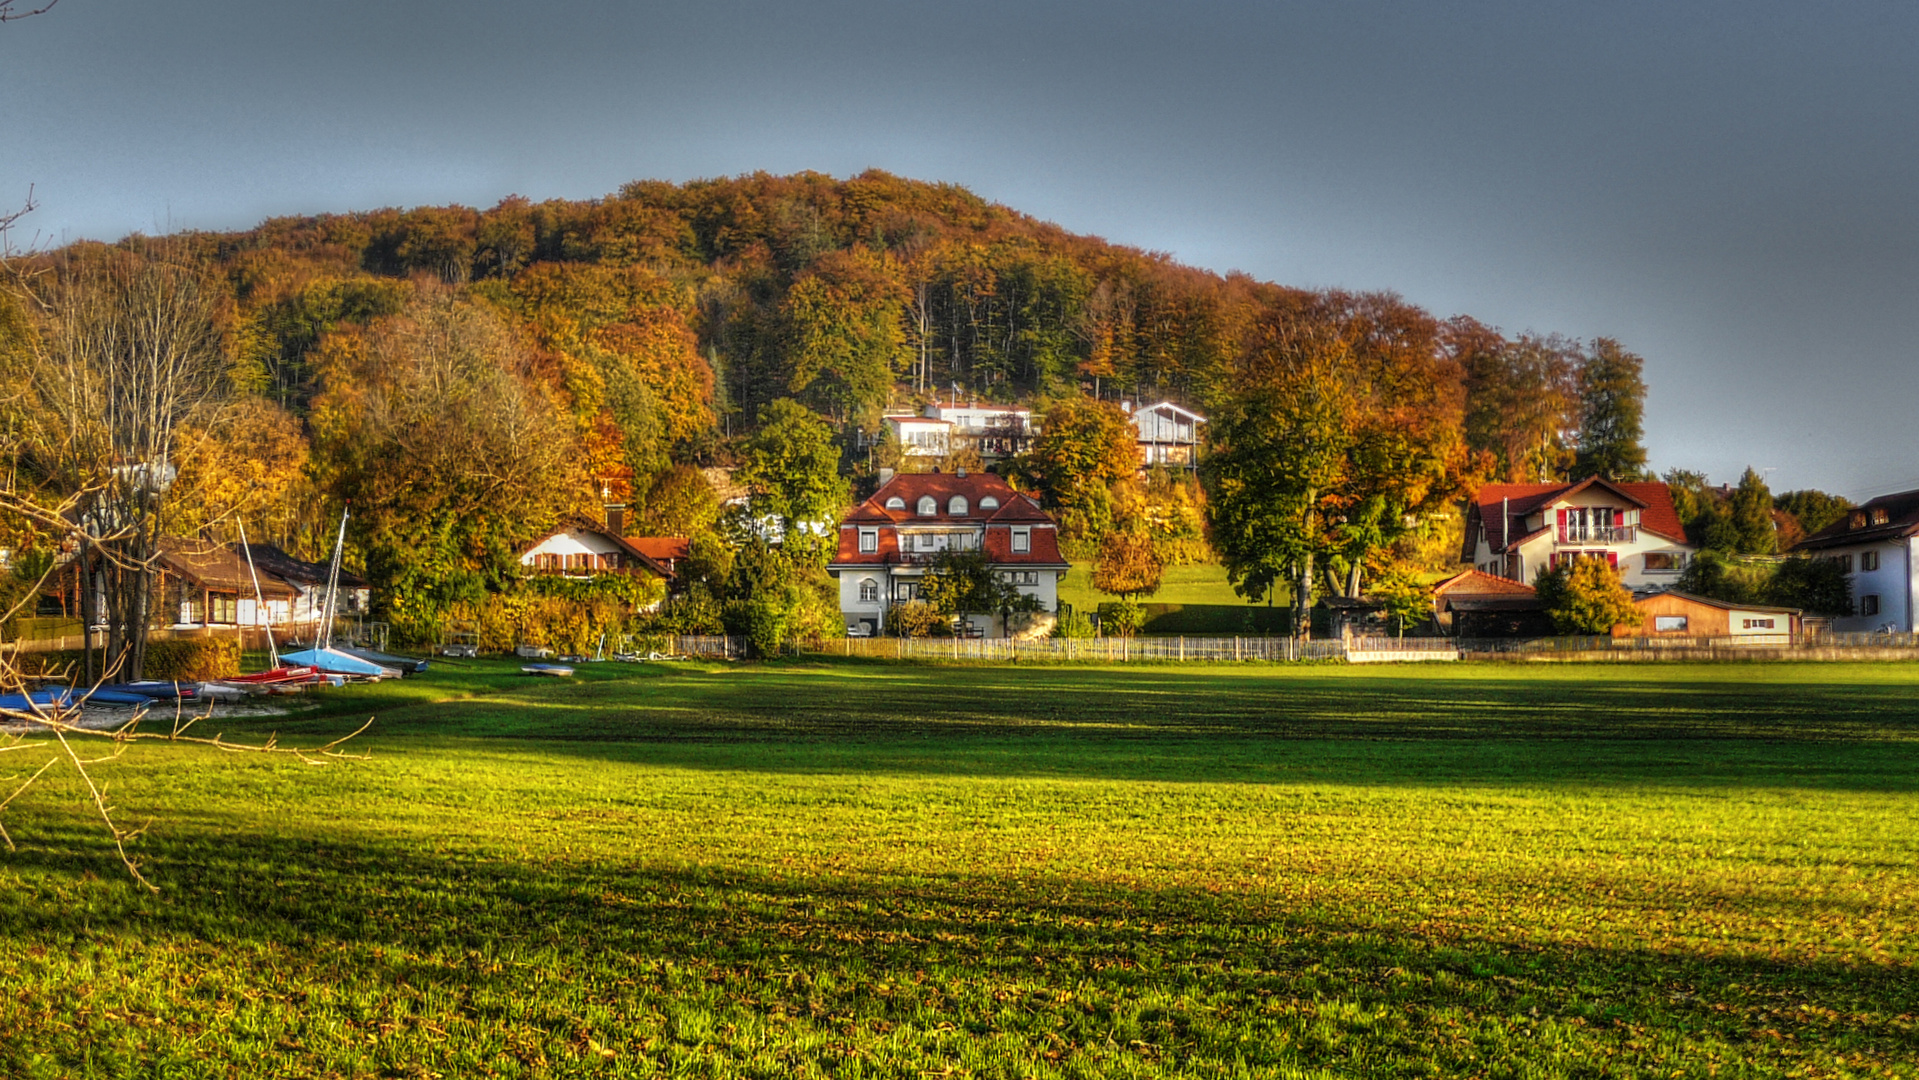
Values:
[(1750, 509), (1612, 406)]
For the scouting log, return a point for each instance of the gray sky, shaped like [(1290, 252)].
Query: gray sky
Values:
[(1727, 188)]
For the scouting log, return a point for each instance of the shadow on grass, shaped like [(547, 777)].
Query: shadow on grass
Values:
[(1711, 726), (348, 933)]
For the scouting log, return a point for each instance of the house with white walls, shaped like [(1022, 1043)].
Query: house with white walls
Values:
[(1873, 544), (1518, 531)]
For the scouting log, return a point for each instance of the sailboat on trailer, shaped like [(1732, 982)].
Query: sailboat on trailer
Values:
[(323, 657)]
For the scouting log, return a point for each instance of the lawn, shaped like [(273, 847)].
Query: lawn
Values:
[(859, 869), (1190, 600)]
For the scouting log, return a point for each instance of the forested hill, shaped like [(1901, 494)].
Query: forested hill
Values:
[(791, 286), (465, 377)]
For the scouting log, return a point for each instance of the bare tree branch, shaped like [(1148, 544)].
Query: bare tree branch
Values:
[(9, 10)]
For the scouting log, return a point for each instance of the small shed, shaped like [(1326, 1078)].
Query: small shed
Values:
[(1677, 614), (1475, 604)]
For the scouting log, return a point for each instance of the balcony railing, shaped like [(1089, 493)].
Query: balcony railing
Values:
[(1599, 534)]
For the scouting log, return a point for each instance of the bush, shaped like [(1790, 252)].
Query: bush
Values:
[(1121, 618), (189, 659), (1586, 597), (915, 618), (1073, 623)]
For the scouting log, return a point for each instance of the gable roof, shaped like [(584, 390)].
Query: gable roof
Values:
[(1477, 583), (662, 548), (1902, 520), (216, 569), (1720, 604), (909, 488), (270, 559), (1657, 515), (579, 523)]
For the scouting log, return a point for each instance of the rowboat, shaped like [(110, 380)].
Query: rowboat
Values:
[(39, 699)]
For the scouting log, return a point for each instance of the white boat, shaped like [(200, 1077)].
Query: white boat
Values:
[(556, 670)]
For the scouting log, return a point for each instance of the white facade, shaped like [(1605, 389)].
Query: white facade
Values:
[(1590, 523), (868, 591), (994, 430), (920, 436), (1884, 582), (573, 549)]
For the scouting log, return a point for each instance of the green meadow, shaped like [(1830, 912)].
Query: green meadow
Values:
[(856, 869)]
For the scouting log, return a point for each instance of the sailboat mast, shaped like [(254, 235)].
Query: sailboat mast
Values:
[(333, 586), (259, 601)]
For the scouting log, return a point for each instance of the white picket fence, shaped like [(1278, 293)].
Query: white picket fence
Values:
[(1117, 650)]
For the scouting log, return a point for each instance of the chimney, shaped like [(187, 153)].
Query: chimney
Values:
[(960, 472), (616, 520), (886, 476)]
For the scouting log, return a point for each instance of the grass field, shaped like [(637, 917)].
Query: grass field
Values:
[(855, 869)]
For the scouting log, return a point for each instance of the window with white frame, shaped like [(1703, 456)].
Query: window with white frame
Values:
[(989, 503), (929, 506), (1669, 624), (896, 503), (869, 591), (956, 506), (1868, 560), (1022, 541), (1756, 624), (869, 540)]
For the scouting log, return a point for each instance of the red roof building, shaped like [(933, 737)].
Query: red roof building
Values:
[(887, 542), (1873, 544), (1517, 531)]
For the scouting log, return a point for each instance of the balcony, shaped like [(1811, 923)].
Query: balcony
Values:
[(1599, 534)]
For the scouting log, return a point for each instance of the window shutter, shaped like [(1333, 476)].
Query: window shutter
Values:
[(1562, 525), (1612, 559), (1618, 519)]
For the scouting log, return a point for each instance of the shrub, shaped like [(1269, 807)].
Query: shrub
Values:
[(1122, 618), (1586, 597), (1073, 623), (915, 618)]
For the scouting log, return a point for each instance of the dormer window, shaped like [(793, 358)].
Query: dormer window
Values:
[(896, 503), (1022, 541), (1879, 515), (956, 506), (869, 540), (1857, 520), (929, 507), (989, 503)]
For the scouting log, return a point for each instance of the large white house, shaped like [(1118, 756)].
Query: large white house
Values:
[(888, 541), (1873, 544), (1168, 434), (1518, 531)]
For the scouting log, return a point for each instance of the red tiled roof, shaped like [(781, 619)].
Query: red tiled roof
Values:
[(1476, 583), (1657, 515), (661, 548), (909, 488), (1043, 551)]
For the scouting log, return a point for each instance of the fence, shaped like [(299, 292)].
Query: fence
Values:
[(1099, 650), (1822, 646)]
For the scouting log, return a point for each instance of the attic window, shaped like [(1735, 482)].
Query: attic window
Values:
[(1858, 520), (956, 506), (1879, 516), (928, 506), (896, 503), (989, 503)]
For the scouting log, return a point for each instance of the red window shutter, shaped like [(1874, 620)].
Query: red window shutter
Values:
[(1562, 526), (1612, 559), (1618, 519)]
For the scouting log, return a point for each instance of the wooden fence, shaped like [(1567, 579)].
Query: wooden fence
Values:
[(1117, 650)]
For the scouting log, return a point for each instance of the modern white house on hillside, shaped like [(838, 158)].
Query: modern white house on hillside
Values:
[(1518, 531), (1873, 544), (1168, 434)]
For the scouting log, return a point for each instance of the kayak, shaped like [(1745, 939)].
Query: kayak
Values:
[(556, 670), (153, 689), (102, 696), (287, 673), (42, 698)]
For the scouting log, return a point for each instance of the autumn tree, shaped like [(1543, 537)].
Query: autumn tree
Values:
[(1586, 596), (845, 334), (792, 467), (1085, 448), (1612, 406), (679, 502), (434, 426), (1813, 509), (1129, 565), (961, 583), (1521, 401)]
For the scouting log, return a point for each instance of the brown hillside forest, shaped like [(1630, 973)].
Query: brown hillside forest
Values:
[(464, 379)]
